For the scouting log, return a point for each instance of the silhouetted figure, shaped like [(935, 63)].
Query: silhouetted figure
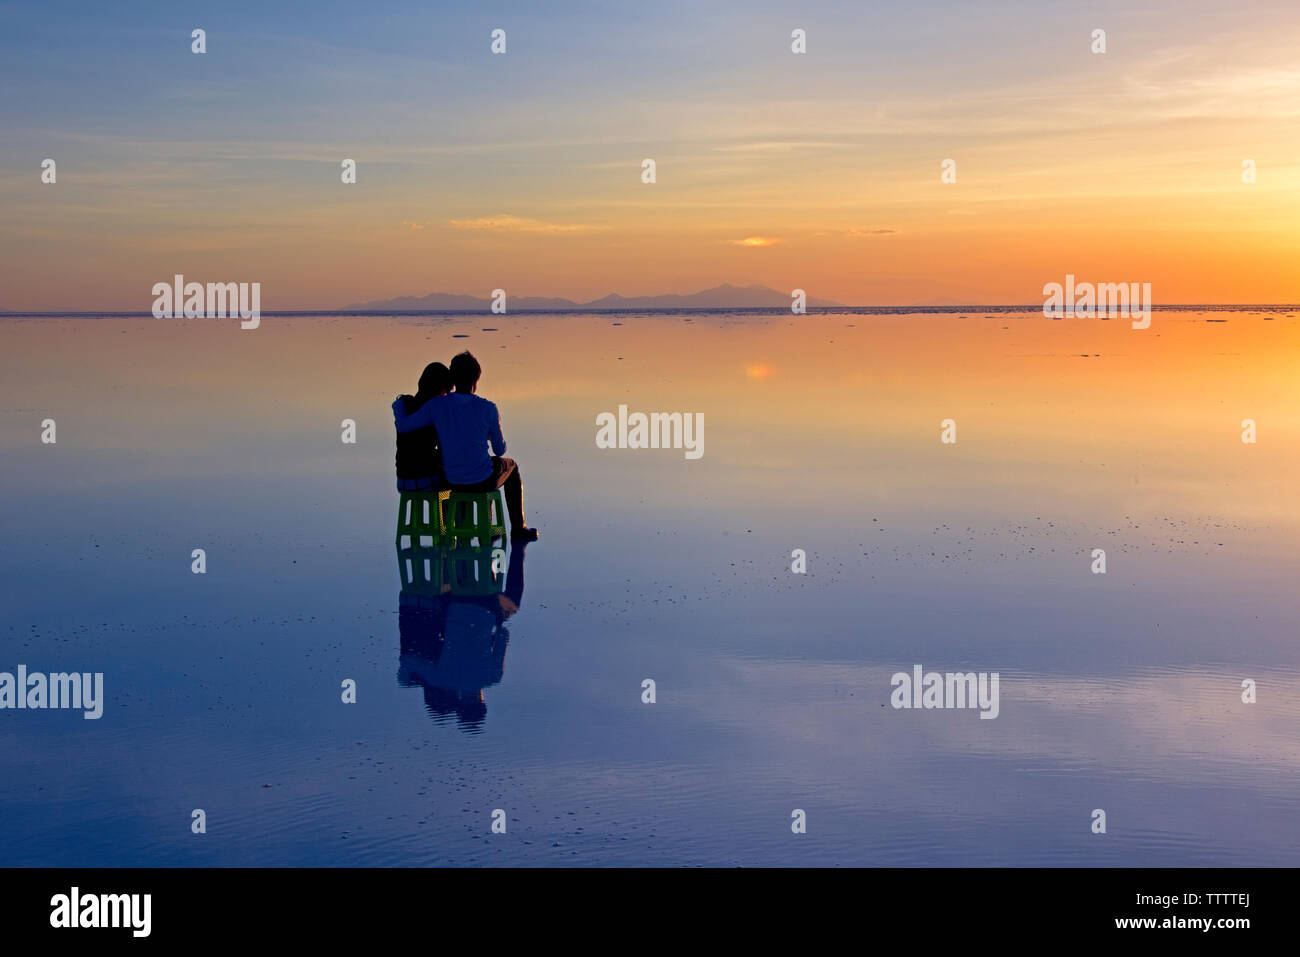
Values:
[(419, 457), (467, 426)]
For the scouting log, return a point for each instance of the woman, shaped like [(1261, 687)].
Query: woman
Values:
[(419, 457)]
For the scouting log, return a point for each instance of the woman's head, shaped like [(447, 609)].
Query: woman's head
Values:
[(434, 380)]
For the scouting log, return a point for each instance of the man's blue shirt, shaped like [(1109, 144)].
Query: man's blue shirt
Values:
[(466, 425)]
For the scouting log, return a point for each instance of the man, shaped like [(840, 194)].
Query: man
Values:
[(467, 424)]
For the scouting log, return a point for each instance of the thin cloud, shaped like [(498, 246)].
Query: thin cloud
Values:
[(519, 224), (755, 241), (780, 146), (855, 233)]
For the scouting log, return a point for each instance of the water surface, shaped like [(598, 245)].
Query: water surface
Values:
[(1119, 691)]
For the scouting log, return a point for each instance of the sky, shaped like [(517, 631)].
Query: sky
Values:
[(523, 171)]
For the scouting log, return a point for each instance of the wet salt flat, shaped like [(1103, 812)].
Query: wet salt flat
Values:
[(1119, 691)]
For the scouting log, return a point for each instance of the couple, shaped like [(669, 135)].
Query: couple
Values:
[(443, 438)]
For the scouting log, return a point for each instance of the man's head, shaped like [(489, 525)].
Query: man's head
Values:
[(435, 380), (465, 371)]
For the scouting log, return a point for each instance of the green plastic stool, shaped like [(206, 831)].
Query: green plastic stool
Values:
[(411, 507), (469, 515)]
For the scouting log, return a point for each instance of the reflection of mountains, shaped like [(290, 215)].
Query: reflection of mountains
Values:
[(452, 614)]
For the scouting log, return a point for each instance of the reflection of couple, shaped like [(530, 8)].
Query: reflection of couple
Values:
[(454, 641), (443, 439)]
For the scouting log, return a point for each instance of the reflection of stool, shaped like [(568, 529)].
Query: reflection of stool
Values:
[(474, 571), (440, 570), (422, 571), (420, 514), (469, 515)]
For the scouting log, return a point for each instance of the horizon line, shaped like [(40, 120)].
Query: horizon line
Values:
[(584, 310)]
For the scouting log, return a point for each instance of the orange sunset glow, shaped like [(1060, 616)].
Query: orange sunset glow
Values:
[(824, 172)]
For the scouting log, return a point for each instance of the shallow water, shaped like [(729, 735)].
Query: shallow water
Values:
[(1119, 691)]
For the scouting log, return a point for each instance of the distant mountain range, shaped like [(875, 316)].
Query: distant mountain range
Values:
[(725, 296)]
